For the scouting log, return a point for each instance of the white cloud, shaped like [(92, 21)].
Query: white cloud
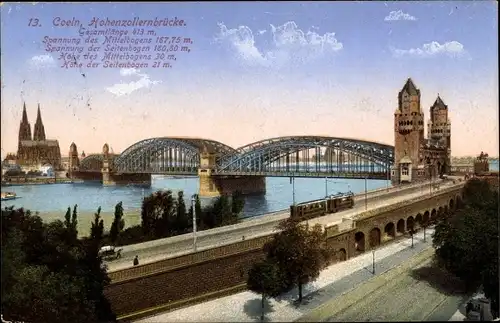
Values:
[(122, 88), (288, 44), (399, 15), (129, 71), (42, 61), (452, 48)]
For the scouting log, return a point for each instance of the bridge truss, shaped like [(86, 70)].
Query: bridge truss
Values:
[(310, 156), (298, 156)]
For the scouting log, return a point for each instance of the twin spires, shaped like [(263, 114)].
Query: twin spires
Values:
[(25, 128), (39, 131)]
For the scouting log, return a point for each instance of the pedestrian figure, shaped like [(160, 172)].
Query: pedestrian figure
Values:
[(136, 260)]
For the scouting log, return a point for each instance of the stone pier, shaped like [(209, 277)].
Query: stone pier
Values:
[(110, 179)]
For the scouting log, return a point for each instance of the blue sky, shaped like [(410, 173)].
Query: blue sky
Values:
[(258, 70)]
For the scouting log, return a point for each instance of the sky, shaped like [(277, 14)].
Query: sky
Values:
[(249, 71)]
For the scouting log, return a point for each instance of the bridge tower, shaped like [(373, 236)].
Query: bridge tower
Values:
[(106, 176), (439, 129), (74, 161), (408, 135)]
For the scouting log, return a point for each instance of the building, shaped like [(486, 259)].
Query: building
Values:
[(416, 157), (36, 151)]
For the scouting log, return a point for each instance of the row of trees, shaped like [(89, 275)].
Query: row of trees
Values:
[(48, 274), (294, 257), (467, 242)]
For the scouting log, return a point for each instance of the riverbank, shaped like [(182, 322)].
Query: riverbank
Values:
[(85, 219), (37, 181)]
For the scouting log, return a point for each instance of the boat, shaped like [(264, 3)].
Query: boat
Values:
[(8, 196)]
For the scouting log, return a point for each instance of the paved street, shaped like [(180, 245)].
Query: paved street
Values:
[(220, 236), (334, 281), (397, 295)]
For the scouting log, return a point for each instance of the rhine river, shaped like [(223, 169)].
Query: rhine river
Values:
[(52, 200)]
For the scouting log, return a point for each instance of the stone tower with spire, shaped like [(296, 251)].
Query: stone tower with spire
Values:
[(439, 129), (39, 131), (408, 133), (25, 127)]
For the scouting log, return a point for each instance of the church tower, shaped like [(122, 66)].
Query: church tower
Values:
[(39, 131), (439, 129), (408, 134), (25, 127)]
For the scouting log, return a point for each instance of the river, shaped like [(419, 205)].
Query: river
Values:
[(51, 201)]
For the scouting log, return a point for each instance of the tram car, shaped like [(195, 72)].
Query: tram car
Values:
[(317, 208)]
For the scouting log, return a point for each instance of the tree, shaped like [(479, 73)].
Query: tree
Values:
[(181, 219), (467, 242), (237, 203), (118, 223), (300, 253), (264, 279), (46, 278), (97, 228)]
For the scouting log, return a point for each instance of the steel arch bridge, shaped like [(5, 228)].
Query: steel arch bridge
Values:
[(167, 155), (300, 156), (310, 156)]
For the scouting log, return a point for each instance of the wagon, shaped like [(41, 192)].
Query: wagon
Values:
[(110, 252)]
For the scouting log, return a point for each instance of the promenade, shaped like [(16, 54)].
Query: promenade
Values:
[(334, 282), (157, 250)]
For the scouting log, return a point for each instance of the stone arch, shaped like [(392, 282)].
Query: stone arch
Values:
[(342, 255), (410, 223), (359, 241), (375, 237), (459, 202), (451, 204), (418, 220), (390, 230), (400, 227)]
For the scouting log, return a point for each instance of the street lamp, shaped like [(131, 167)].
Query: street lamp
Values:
[(293, 190), (411, 233), (193, 205), (373, 260), (366, 194)]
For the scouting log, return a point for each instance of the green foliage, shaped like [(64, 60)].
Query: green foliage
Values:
[(299, 252), (97, 228), (467, 242), (118, 223), (264, 279), (163, 216), (46, 277)]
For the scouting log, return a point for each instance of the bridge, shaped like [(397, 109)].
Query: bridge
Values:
[(222, 168)]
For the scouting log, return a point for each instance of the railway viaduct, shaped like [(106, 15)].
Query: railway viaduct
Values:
[(221, 270)]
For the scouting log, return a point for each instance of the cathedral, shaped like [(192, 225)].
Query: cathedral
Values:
[(36, 151), (417, 158)]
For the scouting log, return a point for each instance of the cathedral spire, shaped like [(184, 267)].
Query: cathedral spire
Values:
[(25, 114), (39, 132)]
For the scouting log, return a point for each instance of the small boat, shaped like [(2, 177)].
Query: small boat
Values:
[(8, 196)]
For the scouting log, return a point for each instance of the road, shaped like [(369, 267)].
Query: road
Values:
[(333, 282), (413, 291), (207, 239)]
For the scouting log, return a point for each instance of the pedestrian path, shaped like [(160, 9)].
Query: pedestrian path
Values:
[(332, 282)]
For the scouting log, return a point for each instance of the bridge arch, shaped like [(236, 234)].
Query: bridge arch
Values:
[(425, 218), (418, 220), (93, 162), (410, 223), (400, 227), (359, 241), (167, 153), (270, 154), (390, 230), (342, 255)]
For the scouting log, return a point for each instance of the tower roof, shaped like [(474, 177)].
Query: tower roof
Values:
[(439, 103), (25, 114), (410, 88)]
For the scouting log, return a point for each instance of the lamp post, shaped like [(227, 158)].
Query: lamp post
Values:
[(411, 233), (326, 187), (366, 194), (293, 190), (193, 205), (373, 260)]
